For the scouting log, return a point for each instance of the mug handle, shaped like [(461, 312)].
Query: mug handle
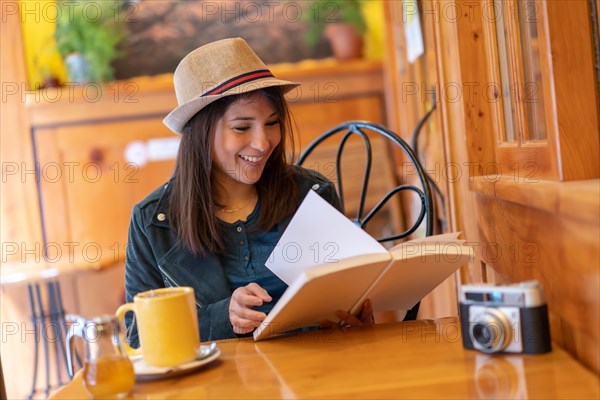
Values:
[(121, 316)]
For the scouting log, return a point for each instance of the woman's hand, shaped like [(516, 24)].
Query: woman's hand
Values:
[(363, 318), (241, 315)]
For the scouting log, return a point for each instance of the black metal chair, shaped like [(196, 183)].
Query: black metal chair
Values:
[(339, 141)]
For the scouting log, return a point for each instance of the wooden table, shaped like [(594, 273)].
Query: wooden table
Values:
[(419, 359)]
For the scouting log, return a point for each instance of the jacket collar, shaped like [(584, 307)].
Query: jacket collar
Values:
[(161, 212)]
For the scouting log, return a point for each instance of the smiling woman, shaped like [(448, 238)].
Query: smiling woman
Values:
[(244, 139), (247, 139), (233, 193)]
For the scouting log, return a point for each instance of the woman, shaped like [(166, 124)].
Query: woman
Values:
[(213, 225)]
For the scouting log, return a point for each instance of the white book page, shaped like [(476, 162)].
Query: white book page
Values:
[(318, 234)]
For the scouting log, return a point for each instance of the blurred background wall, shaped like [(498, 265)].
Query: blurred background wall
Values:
[(160, 33)]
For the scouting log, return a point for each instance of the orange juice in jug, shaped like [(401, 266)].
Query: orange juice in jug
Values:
[(108, 376)]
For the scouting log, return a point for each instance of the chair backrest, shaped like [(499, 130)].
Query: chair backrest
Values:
[(367, 177)]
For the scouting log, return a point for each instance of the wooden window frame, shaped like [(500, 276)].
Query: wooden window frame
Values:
[(527, 159)]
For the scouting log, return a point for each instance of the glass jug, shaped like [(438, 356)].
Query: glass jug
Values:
[(107, 371)]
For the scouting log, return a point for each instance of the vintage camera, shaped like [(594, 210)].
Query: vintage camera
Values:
[(505, 319)]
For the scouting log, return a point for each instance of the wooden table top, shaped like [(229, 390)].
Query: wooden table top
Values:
[(25, 273), (419, 359)]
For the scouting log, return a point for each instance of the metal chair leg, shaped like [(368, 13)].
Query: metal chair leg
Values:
[(57, 316), (42, 324), (34, 319), (57, 324)]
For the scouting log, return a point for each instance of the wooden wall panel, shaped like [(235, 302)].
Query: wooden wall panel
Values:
[(575, 99), (95, 174), (314, 118), (20, 222), (18, 201)]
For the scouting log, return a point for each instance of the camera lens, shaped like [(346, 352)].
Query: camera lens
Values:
[(490, 331), (482, 333)]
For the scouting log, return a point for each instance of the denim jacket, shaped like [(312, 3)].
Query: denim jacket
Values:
[(156, 259)]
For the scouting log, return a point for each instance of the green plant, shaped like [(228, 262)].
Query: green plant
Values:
[(322, 12), (92, 29)]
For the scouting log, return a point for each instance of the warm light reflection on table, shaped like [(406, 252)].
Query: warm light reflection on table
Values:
[(422, 359)]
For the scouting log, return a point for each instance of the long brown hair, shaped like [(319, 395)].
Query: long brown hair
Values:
[(192, 200)]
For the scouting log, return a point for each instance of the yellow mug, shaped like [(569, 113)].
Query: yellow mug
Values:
[(167, 325)]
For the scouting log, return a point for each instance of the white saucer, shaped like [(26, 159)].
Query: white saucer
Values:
[(145, 372)]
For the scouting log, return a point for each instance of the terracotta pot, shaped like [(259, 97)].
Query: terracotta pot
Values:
[(346, 42)]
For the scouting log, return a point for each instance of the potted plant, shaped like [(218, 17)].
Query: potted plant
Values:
[(87, 38), (341, 21)]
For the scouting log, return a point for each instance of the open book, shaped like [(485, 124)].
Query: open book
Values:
[(331, 264)]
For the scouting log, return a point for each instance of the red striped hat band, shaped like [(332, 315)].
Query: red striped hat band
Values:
[(239, 80)]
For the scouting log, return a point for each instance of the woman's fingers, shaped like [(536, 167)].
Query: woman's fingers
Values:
[(366, 314), (246, 299), (245, 320), (246, 313), (251, 295), (327, 324), (256, 290), (364, 317), (347, 318), (241, 315), (242, 325)]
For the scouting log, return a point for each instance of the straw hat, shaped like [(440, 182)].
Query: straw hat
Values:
[(222, 68)]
